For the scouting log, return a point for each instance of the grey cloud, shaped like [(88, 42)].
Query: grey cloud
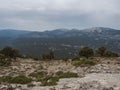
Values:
[(51, 14)]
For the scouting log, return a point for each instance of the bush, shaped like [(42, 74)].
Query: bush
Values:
[(5, 79), (48, 56), (9, 52), (51, 82), (104, 52), (111, 54), (21, 80), (39, 75), (16, 80), (86, 52), (67, 75), (59, 73), (4, 62), (84, 62), (101, 51)]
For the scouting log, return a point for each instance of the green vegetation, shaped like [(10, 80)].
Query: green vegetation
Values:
[(83, 62), (86, 52), (104, 52), (48, 56), (39, 75), (4, 62), (9, 52), (59, 73), (50, 81), (16, 80), (111, 54), (67, 75), (101, 51)]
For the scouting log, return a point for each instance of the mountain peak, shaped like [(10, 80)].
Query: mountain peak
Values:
[(98, 29)]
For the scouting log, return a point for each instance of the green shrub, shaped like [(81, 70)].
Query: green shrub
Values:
[(84, 62), (76, 59), (67, 75), (21, 80), (59, 73), (16, 80), (51, 82), (86, 52), (10, 52), (5, 63), (104, 52), (5, 79), (101, 51), (39, 75), (111, 54)]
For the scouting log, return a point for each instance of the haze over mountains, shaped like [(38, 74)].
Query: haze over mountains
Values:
[(64, 42)]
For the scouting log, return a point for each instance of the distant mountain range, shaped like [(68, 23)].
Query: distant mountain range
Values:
[(64, 42)]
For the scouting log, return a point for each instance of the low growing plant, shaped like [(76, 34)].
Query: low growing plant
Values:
[(84, 62), (16, 80)]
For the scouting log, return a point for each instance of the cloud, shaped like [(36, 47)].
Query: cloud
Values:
[(51, 14)]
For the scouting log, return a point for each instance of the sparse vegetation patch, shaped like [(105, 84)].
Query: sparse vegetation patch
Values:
[(16, 80), (84, 62)]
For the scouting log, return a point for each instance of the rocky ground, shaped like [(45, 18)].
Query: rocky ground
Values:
[(105, 75)]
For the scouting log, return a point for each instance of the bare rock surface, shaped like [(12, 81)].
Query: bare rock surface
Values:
[(92, 81), (105, 75)]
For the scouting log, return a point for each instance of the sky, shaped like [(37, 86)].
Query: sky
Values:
[(53, 14)]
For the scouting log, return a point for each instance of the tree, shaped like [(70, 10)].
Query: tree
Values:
[(9, 52), (101, 51), (86, 52)]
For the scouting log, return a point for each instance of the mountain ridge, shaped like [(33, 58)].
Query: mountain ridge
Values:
[(65, 43)]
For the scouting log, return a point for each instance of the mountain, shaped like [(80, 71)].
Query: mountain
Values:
[(64, 42), (12, 33), (7, 36)]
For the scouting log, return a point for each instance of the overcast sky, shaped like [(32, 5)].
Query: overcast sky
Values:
[(53, 14)]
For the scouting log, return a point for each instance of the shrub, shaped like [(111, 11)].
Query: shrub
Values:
[(21, 80), (9, 52), (84, 62), (4, 62), (39, 75), (51, 82), (101, 51), (48, 56), (111, 54), (59, 73), (104, 52), (86, 52), (16, 80), (67, 75), (5, 79)]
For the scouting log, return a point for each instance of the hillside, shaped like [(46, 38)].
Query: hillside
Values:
[(64, 42), (61, 75)]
